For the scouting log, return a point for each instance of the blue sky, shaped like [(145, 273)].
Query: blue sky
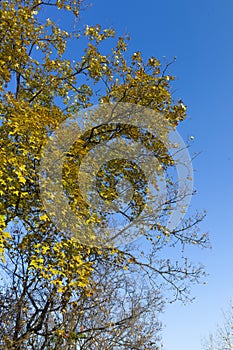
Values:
[(199, 33)]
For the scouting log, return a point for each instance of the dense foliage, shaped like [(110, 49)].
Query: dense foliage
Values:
[(55, 291)]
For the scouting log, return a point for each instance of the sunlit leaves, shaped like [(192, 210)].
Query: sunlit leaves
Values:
[(41, 87), (62, 263)]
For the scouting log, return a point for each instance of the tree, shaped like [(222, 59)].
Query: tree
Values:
[(52, 273), (116, 311), (222, 339)]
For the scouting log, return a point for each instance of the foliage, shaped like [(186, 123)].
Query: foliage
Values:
[(50, 274), (35, 314)]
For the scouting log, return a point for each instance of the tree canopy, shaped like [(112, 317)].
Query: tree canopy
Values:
[(57, 290)]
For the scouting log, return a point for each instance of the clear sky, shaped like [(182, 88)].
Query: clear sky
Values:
[(200, 34)]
